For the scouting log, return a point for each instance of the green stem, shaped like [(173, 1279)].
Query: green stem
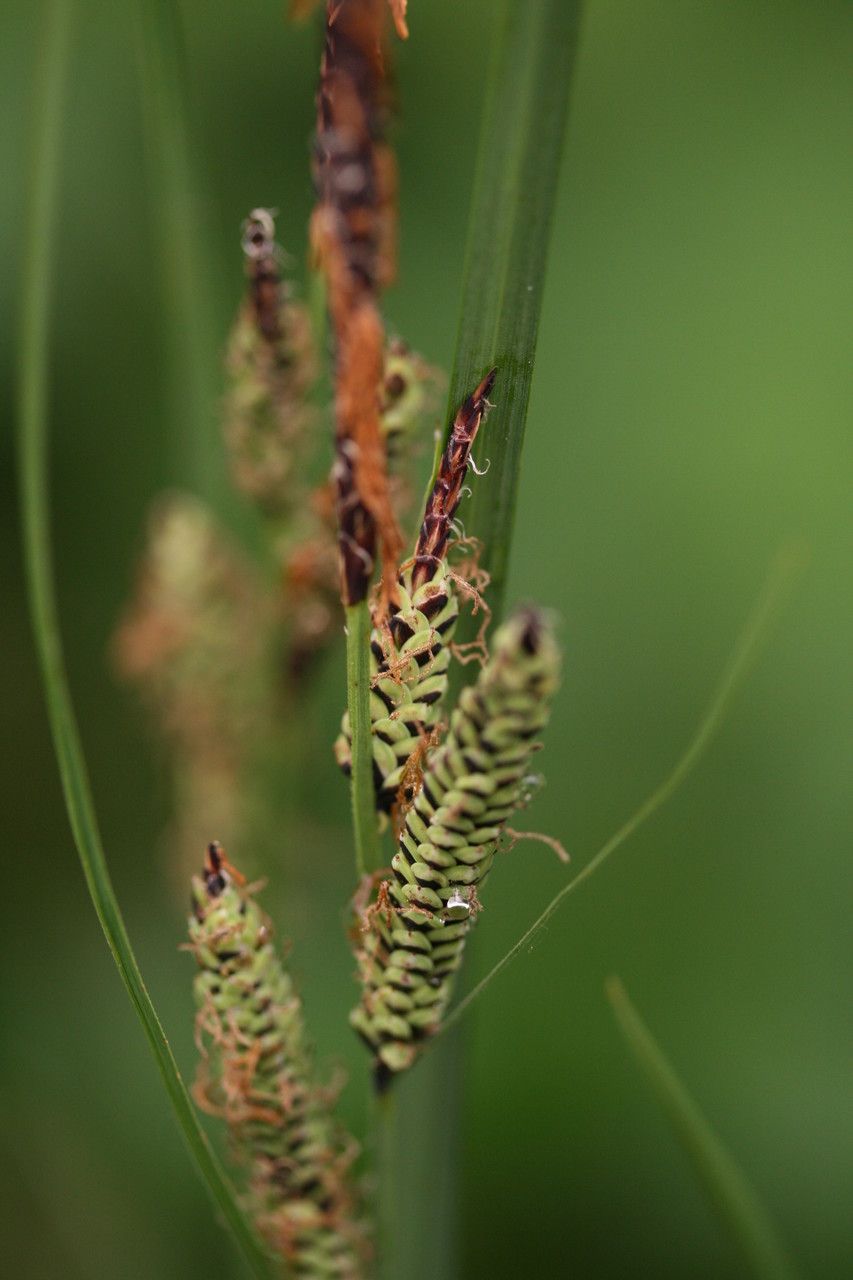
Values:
[(362, 795), (38, 277), (386, 1150), (416, 1127), (734, 1199)]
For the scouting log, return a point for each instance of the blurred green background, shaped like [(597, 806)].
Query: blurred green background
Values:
[(690, 414)]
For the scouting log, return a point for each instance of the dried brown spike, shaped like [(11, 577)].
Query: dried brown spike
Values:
[(446, 492), (352, 108), (352, 230)]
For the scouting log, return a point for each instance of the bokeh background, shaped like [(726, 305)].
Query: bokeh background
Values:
[(690, 415)]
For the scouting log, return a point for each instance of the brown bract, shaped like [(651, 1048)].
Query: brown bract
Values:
[(352, 235), (444, 498), (300, 9)]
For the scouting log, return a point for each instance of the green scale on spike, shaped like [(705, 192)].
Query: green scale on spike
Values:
[(413, 945), (408, 666), (410, 653), (257, 1073)]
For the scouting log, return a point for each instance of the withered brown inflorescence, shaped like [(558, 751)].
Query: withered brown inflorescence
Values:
[(443, 501), (352, 233)]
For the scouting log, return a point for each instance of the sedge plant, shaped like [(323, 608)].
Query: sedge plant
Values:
[(446, 699)]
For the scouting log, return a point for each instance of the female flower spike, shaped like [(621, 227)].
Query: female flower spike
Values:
[(415, 935), (410, 653), (256, 1074)]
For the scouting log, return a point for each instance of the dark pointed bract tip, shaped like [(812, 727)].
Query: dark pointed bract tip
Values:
[(214, 878), (383, 1077), (474, 402), (532, 623), (485, 388)]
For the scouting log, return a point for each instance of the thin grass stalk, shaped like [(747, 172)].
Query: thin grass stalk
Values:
[(37, 285), (362, 793), (734, 1199), (416, 1206), (387, 1223)]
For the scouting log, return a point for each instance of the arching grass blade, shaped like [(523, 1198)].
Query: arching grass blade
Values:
[(38, 273), (734, 1200)]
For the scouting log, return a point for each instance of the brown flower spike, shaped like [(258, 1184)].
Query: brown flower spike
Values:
[(352, 233), (444, 498)]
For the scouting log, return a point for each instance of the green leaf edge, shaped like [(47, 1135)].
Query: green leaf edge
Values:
[(362, 792), (733, 1197), (515, 187)]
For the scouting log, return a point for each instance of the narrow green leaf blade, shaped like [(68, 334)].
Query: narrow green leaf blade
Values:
[(733, 1197), (38, 274), (178, 212), (508, 236)]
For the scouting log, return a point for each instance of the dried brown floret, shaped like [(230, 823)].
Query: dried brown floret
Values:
[(352, 233)]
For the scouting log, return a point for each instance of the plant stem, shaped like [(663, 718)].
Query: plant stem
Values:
[(734, 1199), (386, 1151), (38, 277), (416, 1128), (362, 796)]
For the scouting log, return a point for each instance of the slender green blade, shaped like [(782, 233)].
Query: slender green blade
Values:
[(32, 424), (733, 1197), (508, 236), (178, 213)]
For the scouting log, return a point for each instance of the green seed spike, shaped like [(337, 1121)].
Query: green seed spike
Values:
[(272, 367), (415, 930), (256, 1074), (410, 652)]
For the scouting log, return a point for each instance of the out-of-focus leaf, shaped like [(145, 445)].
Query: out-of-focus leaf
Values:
[(38, 273), (734, 1200)]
